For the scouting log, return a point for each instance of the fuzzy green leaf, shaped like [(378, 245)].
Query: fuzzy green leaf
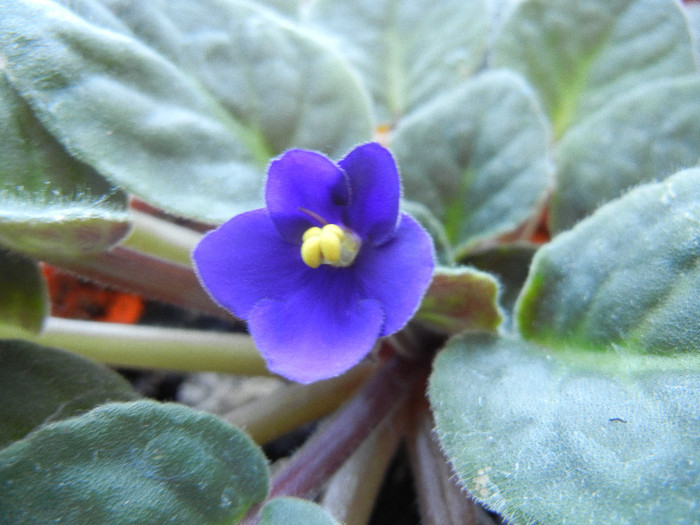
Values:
[(628, 276), (642, 137), (581, 55), (181, 103), (41, 385), (139, 462), (24, 299), (477, 157), (49, 201), (393, 45), (294, 511), (572, 437)]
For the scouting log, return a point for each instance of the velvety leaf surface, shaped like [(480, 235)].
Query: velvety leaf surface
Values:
[(644, 136), (139, 462), (692, 11), (581, 55), (573, 437), (393, 45), (461, 299), (182, 103), (49, 201), (41, 385), (477, 157), (24, 299), (628, 276), (509, 263), (294, 511)]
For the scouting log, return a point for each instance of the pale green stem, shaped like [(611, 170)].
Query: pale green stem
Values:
[(153, 347), (272, 416), (161, 238), (352, 491)]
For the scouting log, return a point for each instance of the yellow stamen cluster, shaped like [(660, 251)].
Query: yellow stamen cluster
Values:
[(328, 245)]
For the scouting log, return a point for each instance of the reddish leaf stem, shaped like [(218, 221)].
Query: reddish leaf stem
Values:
[(328, 449), (441, 500), (149, 276)]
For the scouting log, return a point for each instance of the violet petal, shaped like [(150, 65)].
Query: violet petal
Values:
[(308, 180), (245, 260), (375, 190), (398, 273), (320, 331)]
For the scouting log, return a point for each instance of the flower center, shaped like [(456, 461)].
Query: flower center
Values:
[(329, 245)]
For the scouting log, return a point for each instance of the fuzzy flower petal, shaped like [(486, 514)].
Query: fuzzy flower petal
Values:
[(375, 188), (236, 260), (305, 338), (307, 180), (397, 273)]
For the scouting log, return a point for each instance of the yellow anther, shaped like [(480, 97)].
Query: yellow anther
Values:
[(311, 250), (329, 245), (334, 228), (311, 232)]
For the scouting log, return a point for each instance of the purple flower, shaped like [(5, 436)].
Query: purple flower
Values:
[(327, 268)]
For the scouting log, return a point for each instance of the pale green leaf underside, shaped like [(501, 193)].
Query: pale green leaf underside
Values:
[(24, 298), (294, 511), (461, 299), (581, 55), (567, 439), (645, 136), (627, 276), (49, 201), (139, 462), (42, 385), (477, 157), (181, 103), (406, 51)]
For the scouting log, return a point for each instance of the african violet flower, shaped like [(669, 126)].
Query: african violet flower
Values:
[(328, 267)]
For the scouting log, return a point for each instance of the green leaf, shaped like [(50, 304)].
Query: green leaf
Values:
[(564, 438), (393, 45), (49, 201), (692, 11), (294, 511), (139, 462), (443, 249), (509, 263), (628, 276), (181, 103), (477, 158), (641, 137), (41, 385), (24, 298), (461, 299), (581, 55)]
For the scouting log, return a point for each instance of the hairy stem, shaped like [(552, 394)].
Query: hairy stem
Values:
[(323, 454), (353, 490), (441, 500)]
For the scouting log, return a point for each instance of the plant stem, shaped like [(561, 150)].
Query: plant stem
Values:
[(153, 347), (352, 491), (326, 451), (161, 238), (149, 276), (441, 500), (272, 416)]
